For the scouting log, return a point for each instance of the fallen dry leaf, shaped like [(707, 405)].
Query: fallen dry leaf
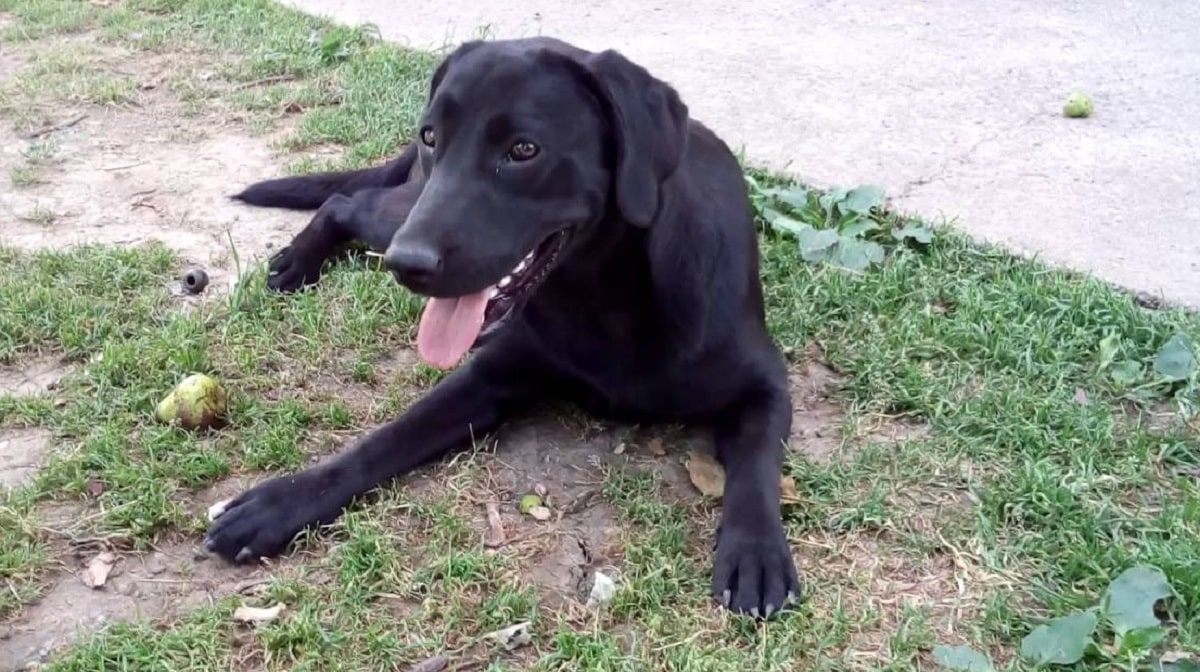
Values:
[(258, 614), (217, 509), (494, 536), (512, 636), (706, 474), (95, 487), (1081, 396), (603, 590), (540, 513), (96, 574), (620, 449), (787, 490), (435, 664), (656, 447)]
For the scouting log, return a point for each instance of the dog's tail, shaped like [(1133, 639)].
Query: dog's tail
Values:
[(308, 192)]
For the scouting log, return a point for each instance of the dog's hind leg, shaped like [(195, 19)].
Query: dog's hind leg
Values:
[(309, 192), (754, 572), (370, 217)]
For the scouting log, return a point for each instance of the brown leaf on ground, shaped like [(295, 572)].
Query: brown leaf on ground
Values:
[(96, 574), (494, 536), (787, 490), (706, 474), (656, 447)]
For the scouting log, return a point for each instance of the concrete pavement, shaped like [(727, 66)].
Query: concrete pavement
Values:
[(953, 106)]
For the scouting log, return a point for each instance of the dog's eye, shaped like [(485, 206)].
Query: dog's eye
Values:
[(428, 137), (523, 151)]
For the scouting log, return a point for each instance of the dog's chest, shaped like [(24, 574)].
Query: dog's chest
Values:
[(605, 341)]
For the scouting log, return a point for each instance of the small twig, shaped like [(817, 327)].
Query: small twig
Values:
[(277, 79), (56, 127), (123, 167)]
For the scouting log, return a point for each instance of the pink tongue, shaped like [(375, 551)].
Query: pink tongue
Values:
[(449, 327)]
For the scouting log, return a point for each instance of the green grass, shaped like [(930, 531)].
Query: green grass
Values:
[(1018, 504)]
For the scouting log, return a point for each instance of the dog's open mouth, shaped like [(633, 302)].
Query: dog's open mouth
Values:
[(451, 327)]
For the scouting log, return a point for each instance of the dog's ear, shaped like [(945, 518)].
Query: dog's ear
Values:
[(649, 123), (440, 73)]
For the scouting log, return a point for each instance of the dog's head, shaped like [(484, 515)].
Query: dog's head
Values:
[(532, 148)]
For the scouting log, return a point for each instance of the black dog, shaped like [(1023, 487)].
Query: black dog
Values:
[(566, 217)]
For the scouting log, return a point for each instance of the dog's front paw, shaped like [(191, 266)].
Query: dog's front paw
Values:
[(292, 269), (264, 519), (754, 573)]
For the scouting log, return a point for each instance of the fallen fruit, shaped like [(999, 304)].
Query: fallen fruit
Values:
[(1078, 105), (197, 402), (530, 501)]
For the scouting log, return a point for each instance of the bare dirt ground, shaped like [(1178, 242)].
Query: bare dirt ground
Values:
[(156, 169)]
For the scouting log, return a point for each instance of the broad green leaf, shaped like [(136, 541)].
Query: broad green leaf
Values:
[(795, 197), (1126, 373), (816, 244), (857, 229), (832, 198), (1175, 360), (1109, 346), (1140, 640), (921, 234), (1061, 641), (1130, 598), (860, 200), (856, 255), (782, 222), (962, 658)]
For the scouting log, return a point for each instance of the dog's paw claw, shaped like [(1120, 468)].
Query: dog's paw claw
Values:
[(754, 573)]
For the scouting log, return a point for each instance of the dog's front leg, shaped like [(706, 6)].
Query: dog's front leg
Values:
[(753, 571), (468, 403)]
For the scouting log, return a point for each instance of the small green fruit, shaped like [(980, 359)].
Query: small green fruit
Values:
[(528, 502), (1078, 105), (198, 402)]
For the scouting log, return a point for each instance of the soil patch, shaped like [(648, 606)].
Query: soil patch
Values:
[(32, 376), (21, 454), (171, 580)]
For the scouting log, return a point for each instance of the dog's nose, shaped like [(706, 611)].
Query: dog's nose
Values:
[(412, 262)]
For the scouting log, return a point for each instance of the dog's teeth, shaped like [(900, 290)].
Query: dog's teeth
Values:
[(494, 292), (504, 281), (520, 267), (528, 257)]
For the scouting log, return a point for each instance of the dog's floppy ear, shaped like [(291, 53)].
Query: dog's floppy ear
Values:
[(440, 73), (649, 123)]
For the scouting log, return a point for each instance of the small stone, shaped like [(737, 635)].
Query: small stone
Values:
[(155, 564), (540, 513)]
